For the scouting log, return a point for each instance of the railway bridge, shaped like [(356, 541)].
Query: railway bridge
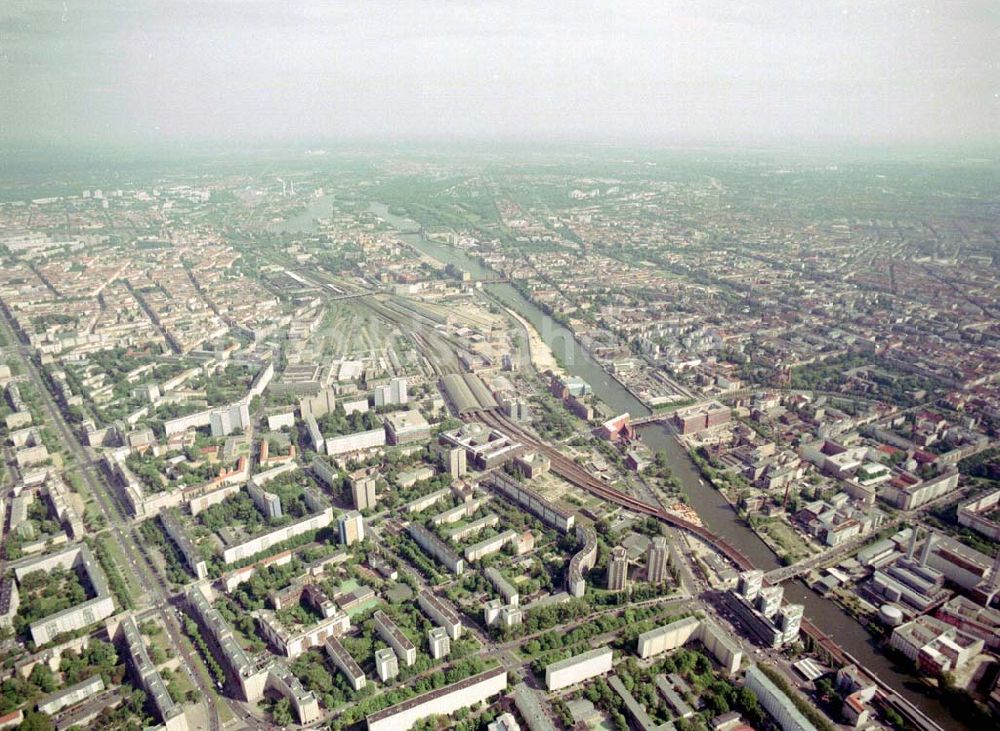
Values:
[(574, 473), (577, 475)]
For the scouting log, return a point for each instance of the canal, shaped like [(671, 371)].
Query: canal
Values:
[(714, 511)]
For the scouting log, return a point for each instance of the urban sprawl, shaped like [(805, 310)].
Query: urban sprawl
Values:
[(666, 442)]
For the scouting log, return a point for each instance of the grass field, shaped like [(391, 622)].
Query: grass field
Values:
[(784, 539)]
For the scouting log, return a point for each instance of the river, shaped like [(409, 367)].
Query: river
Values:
[(305, 220), (714, 511)]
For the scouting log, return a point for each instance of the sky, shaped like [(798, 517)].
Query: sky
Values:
[(865, 72)]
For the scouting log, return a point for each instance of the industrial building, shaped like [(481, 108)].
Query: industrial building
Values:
[(916, 581), (973, 619), (703, 416), (976, 514), (974, 571), (935, 646), (910, 494)]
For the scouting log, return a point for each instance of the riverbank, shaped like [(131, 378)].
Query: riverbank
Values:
[(774, 532), (628, 388), (541, 356), (716, 513)]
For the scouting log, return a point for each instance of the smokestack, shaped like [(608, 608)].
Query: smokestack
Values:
[(995, 578), (926, 553), (913, 543)]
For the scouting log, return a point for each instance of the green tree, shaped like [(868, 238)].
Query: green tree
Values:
[(36, 721), (282, 713), (43, 677)]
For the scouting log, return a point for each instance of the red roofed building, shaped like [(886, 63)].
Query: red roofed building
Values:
[(617, 428)]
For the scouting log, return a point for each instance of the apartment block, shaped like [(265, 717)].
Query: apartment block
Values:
[(394, 636)]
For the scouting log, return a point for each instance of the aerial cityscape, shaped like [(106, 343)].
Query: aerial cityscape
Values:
[(525, 434)]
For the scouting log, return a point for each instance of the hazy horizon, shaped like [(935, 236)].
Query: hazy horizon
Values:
[(231, 72)]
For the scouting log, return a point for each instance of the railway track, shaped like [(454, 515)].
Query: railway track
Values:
[(571, 471)]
